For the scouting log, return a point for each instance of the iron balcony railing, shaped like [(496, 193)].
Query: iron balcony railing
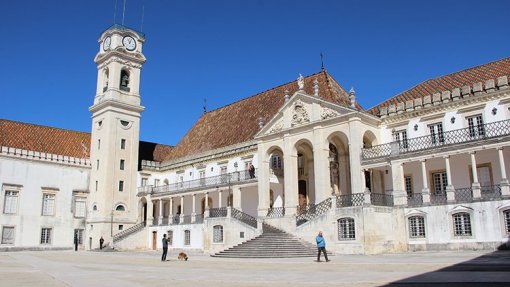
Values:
[(218, 212), (381, 199), (206, 182), (275, 212), (415, 199), (432, 141), (310, 211), (243, 217), (346, 200), (129, 231)]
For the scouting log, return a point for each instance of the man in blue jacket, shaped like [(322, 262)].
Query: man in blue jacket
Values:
[(321, 246)]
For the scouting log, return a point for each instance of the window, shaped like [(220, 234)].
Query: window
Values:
[(462, 224), (120, 207), (156, 182), (122, 144), (96, 185), (401, 138), (98, 144), (121, 185), (187, 237), (409, 185), (416, 227), (121, 164), (506, 214), (170, 237), (144, 181), (94, 207), (436, 133), (79, 234), (79, 206), (8, 235), (475, 126), (48, 207), (276, 162), (218, 234), (346, 229), (439, 182), (46, 236), (124, 80), (223, 174), (121, 226), (181, 180), (97, 165), (202, 177), (11, 202)]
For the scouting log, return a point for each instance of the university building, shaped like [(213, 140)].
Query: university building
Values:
[(423, 170)]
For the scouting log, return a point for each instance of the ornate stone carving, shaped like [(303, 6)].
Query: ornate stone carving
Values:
[(300, 115), (327, 113), (121, 61), (276, 128), (301, 82)]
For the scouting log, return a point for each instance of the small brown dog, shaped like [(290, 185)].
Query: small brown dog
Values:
[(182, 256)]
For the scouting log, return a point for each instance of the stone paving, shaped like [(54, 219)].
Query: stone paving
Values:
[(68, 268)]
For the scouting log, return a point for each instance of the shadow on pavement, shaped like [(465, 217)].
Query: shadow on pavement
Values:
[(489, 270)]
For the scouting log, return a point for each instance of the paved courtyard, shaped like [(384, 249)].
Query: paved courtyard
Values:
[(68, 268)]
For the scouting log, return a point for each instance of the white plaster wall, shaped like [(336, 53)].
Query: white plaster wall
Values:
[(196, 236), (28, 221), (232, 230), (250, 200)]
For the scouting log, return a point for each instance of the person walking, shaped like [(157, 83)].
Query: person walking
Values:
[(165, 247), (321, 246), (101, 241)]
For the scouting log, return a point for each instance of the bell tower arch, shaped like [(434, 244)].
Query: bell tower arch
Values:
[(115, 134)]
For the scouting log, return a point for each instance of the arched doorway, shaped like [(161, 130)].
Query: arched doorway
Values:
[(339, 164), (305, 171)]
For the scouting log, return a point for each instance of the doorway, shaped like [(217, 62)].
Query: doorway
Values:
[(302, 194), (154, 240)]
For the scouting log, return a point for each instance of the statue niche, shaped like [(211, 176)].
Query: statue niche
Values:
[(124, 80)]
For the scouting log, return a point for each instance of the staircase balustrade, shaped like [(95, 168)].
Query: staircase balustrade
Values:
[(310, 211), (243, 217), (125, 233)]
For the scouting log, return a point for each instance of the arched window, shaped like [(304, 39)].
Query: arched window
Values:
[(170, 237), (120, 207), (462, 224), (105, 80), (506, 215), (124, 80), (218, 234), (165, 182), (416, 227), (276, 162), (187, 237), (346, 229), (94, 207)]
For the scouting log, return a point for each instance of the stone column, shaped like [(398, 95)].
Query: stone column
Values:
[(181, 219), (206, 205), (150, 210), (450, 190), (237, 198), (477, 193), (505, 189), (160, 217), (355, 145), (219, 198), (397, 176), (171, 213), (263, 181), (425, 192), (291, 177), (321, 166), (193, 208)]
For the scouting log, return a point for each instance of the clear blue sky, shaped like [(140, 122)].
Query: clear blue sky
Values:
[(229, 50)]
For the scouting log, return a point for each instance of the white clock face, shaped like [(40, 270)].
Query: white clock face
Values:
[(106, 43), (129, 43)]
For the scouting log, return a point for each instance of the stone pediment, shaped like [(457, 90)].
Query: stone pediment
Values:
[(300, 110)]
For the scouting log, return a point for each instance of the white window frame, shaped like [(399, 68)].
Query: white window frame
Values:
[(218, 234), (346, 229), (416, 225), (402, 139), (11, 240), (476, 126), (187, 237), (11, 196), (49, 202), (79, 233), (408, 184), (170, 237), (466, 227), (46, 235), (436, 132), (443, 181), (80, 206)]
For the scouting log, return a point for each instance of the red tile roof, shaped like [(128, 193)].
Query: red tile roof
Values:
[(238, 122), (62, 142), (459, 79)]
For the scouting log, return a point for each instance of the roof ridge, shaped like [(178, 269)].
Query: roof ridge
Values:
[(259, 93), (438, 77), (43, 126)]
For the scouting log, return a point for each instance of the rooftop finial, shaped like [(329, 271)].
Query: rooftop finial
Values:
[(261, 122), (301, 82), (287, 96), (322, 61), (352, 97), (316, 87), (205, 105)]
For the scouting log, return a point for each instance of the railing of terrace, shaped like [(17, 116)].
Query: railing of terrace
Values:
[(415, 199), (463, 195), (212, 181), (381, 199), (469, 134), (218, 212), (438, 198), (243, 217), (346, 200), (491, 192), (275, 212)]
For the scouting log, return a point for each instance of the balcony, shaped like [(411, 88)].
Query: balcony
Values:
[(201, 183), (480, 133)]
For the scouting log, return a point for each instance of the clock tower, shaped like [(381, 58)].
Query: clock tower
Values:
[(112, 202)]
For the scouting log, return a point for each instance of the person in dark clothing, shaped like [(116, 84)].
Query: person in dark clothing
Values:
[(251, 170), (101, 241), (76, 241), (321, 246), (164, 241)]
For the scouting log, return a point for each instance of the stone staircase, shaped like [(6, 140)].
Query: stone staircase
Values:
[(272, 243)]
